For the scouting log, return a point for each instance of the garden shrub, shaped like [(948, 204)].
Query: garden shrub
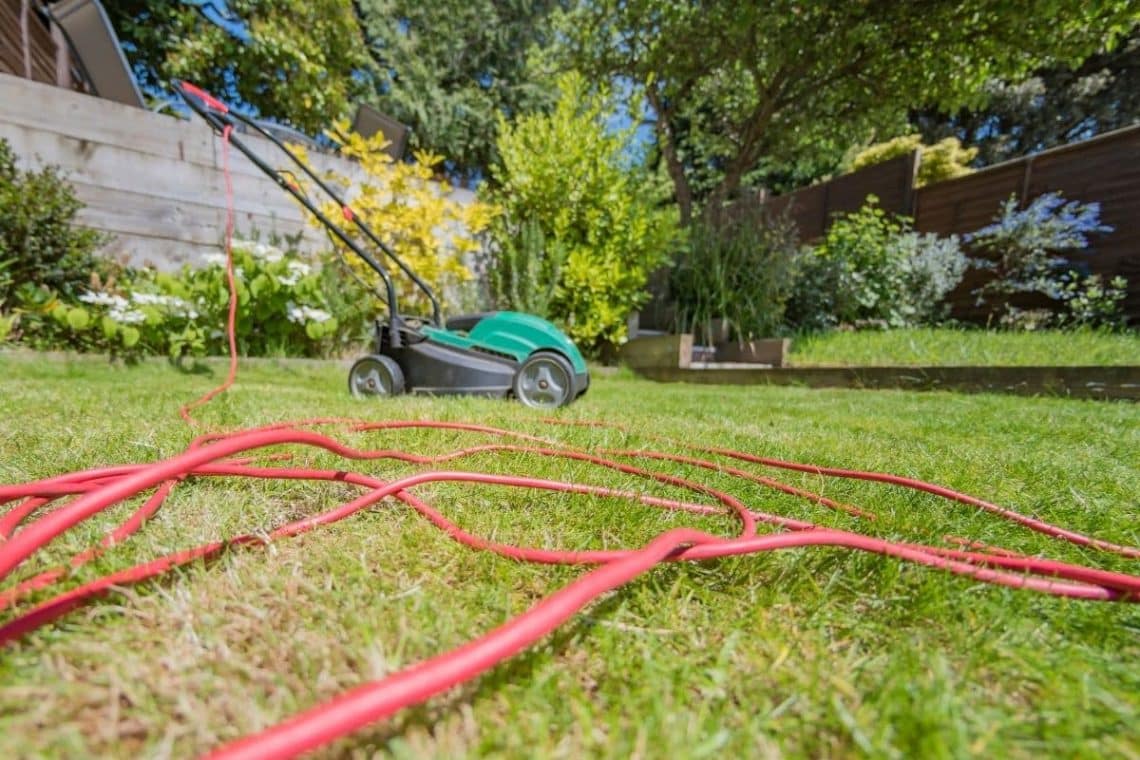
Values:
[(932, 266), (1024, 250), (569, 175), (39, 241), (526, 267), (1091, 302), (412, 211), (872, 267), (738, 266)]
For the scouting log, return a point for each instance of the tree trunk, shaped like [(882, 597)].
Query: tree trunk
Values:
[(673, 163)]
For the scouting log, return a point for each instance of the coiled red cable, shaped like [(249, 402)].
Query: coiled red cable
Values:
[(45, 509), (94, 491)]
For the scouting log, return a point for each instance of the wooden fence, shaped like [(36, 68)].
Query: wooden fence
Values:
[(1105, 169), (153, 181), (813, 208)]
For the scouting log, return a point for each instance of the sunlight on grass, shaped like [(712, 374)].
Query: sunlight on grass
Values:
[(948, 347), (801, 653)]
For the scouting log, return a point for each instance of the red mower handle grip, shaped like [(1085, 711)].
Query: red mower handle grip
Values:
[(207, 99)]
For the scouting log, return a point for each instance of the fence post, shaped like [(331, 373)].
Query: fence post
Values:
[(1025, 177), (825, 208), (910, 178)]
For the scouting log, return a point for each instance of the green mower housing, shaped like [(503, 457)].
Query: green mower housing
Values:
[(499, 353)]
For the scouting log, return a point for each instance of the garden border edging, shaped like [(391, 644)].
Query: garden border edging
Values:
[(1092, 382)]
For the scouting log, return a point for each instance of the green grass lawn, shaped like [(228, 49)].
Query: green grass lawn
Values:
[(948, 347), (809, 653)]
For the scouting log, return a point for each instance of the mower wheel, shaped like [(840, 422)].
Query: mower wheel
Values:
[(375, 375), (544, 381)]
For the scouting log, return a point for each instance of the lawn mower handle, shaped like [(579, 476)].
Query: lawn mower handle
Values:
[(221, 118)]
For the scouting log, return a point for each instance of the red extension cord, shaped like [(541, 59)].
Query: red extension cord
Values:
[(62, 502)]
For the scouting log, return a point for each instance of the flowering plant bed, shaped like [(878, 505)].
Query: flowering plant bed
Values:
[(286, 306)]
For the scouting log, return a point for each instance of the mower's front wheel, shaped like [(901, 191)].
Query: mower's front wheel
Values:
[(544, 381), (375, 375)]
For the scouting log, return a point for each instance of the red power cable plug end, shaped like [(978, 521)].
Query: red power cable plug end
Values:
[(207, 99)]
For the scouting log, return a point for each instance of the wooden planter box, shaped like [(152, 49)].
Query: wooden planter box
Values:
[(679, 351), (658, 351), (771, 351)]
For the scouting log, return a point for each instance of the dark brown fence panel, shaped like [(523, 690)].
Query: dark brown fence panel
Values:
[(1105, 169), (968, 203), (807, 208), (813, 208), (964, 205), (11, 46), (892, 182)]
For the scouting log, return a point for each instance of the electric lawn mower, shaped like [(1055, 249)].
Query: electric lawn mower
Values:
[(497, 353)]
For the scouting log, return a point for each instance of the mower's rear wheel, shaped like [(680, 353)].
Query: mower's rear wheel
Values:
[(544, 381), (375, 375)]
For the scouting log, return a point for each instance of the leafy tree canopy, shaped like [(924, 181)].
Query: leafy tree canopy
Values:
[(1056, 105), (733, 83), (451, 68), (304, 62)]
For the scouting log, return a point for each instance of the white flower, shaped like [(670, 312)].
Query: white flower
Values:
[(294, 313), (98, 298), (215, 259), (127, 317), (104, 299), (316, 315), (299, 268), (150, 299), (303, 314), (173, 304), (270, 253), (180, 308)]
